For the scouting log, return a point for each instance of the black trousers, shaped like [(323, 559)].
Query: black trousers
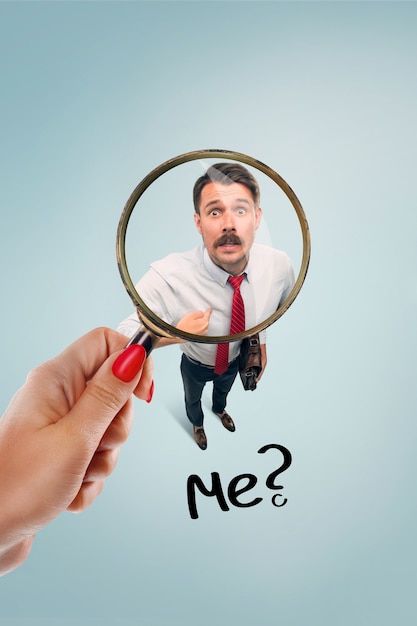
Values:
[(195, 376)]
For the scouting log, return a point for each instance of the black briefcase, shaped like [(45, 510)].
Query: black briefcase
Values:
[(250, 362)]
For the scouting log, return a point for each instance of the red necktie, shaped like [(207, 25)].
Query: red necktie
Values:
[(237, 324)]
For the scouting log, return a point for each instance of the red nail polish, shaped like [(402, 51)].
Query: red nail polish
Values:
[(151, 392), (129, 363)]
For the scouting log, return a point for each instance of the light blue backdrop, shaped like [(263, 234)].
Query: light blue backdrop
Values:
[(93, 96)]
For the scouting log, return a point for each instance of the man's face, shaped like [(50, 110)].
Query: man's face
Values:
[(227, 222)]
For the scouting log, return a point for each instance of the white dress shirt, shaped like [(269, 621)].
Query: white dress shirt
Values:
[(190, 281)]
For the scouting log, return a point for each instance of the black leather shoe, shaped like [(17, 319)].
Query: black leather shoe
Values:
[(200, 437), (227, 421)]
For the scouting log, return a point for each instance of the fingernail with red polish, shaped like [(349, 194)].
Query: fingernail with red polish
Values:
[(151, 392), (129, 363)]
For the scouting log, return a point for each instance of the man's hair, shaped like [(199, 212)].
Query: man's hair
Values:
[(226, 174)]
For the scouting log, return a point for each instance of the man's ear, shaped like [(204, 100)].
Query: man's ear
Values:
[(197, 220), (258, 216)]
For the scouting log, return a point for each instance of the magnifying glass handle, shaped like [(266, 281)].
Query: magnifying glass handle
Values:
[(144, 338)]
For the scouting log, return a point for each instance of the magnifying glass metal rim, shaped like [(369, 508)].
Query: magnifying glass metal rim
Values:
[(148, 317)]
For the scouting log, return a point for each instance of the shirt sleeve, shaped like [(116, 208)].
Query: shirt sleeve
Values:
[(289, 281), (129, 326), (158, 297)]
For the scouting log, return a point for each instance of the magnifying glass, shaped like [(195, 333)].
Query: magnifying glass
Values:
[(153, 326)]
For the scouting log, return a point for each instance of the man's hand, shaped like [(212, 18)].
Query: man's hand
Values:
[(196, 322)]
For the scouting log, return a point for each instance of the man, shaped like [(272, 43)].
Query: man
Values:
[(223, 286)]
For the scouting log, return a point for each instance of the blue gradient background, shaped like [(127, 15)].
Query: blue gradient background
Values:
[(93, 96)]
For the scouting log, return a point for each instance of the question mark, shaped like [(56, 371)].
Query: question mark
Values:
[(287, 459)]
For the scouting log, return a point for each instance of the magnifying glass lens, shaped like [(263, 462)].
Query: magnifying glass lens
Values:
[(211, 232)]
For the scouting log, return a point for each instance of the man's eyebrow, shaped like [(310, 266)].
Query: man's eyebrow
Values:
[(218, 200)]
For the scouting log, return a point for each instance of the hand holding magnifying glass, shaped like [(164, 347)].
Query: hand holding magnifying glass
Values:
[(61, 433), (220, 292)]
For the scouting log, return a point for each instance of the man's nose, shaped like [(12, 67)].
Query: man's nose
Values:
[(228, 222)]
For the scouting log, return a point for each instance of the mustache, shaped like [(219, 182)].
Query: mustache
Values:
[(225, 239)]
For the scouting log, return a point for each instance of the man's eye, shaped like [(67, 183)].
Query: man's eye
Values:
[(214, 212), (240, 210)]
